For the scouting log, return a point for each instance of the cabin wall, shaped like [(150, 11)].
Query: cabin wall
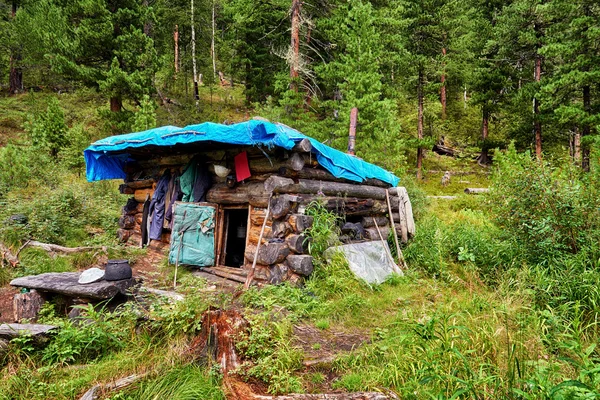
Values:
[(285, 183)]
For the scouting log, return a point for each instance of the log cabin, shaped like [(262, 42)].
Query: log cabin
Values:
[(232, 199)]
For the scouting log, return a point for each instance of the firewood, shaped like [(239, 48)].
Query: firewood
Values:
[(300, 222), (275, 181), (278, 273), (367, 222), (298, 243), (280, 229), (296, 162), (372, 234), (280, 207), (126, 221), (124, 189), (300, 264), (303, 146), (220, 193), (272, 253), (321, 174), (476, 190)]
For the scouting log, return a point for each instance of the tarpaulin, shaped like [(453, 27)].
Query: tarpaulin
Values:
[(193, 235), (106, 158)]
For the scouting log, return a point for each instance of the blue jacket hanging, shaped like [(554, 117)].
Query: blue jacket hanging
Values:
[(157, 206)]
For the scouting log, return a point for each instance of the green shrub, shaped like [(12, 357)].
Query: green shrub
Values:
[(48, 131)]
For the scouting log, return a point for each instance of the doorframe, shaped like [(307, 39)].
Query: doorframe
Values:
[(222, 231)]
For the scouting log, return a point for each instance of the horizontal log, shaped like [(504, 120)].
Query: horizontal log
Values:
[(324, 175), (280, 229), (275, 181), (373, 234), (124, 189), (349, 206), (476, 190), (226, 275), (54, 248), (140, 184), (328, 396), (66, 283), (126, 221), (307, 186), (11, 331), (296, 162), (251, 192), (141, 195), (367, 222), (268, 253)]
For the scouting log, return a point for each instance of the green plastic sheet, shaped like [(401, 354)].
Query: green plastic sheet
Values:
[(193, 235)]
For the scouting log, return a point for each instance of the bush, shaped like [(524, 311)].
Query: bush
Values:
[(48, 131)]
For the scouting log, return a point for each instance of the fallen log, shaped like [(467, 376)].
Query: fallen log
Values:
[(476, 190), (11, 331), (92, 393), (66, 283), (7, 257), (174, 296), (222, 274), (54, 248)]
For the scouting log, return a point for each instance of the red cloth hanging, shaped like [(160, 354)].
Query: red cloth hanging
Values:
[(242, 169)]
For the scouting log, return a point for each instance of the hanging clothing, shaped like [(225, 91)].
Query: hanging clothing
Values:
[(145, 226), (157, 206), (195, 181), (242, 169), (176, 195)]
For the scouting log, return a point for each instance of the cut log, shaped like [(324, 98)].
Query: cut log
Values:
[(124, 189), (303, 146), (476, 190), (131, 207), (216, 342), (275, 181), (272, 253), (367, 222), (300, 222), (66, 283), (140, 195), (307, 186), (140, 184), (92, 394), (373, 234), (280, 207), (11, 331), (278, 273), (298, 243), (27, 305), (280, 229), (296, 162), (126, 221), (300, 264)]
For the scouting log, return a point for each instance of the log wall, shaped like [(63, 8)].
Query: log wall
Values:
[(290, 182)]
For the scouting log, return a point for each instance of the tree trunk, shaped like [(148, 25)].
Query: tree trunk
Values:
[(420, 125), (586, 129), (295, 44), (116, 103), (147, 24), (212, 43), (484, 157), (352, 132), (194, 67), (15, 80), (176, 40), (443, 89), (537, 126)]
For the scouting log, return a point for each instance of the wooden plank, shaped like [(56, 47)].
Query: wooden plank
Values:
[(10, 331), (66, 283)]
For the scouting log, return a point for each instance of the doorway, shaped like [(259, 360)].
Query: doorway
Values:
[(235, 230)]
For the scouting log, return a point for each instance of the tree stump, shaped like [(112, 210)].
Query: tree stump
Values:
[(27, 305)]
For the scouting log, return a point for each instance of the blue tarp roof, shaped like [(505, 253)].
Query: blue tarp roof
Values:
[(106, 158)]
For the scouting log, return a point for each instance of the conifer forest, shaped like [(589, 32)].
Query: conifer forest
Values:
[(488, 112)]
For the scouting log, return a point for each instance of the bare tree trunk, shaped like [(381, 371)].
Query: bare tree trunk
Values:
[(352, 132), (116, 103), (484, 157), (147, 24), (537, 126), (577, 146), (420, 125), (295, 45), (443, 89), (194, 67), (586, 129), (15, 79), (176, 40), (212, 43), (465, 97)]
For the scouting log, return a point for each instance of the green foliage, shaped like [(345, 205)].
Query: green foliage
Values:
[(181, 382), (177, 318), (145, 117), (274, 359), (48, 131)]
